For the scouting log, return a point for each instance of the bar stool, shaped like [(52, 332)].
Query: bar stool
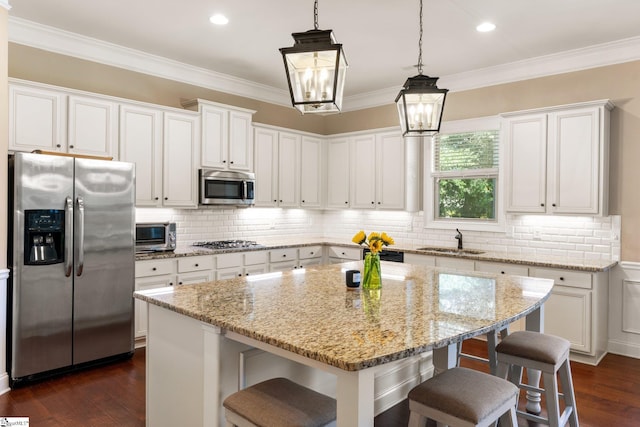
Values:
[(550, 355), (492, 341), (279, 402), (462, 397)]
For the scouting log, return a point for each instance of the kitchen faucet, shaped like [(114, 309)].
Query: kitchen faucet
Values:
[(459, 237)]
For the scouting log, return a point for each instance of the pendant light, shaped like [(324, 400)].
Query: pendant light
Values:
[(316, 68), (420, 102)]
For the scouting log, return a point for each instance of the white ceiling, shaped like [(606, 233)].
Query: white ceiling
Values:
[(380, 37)]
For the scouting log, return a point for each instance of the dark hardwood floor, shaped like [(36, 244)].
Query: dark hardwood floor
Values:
[(113, 395)]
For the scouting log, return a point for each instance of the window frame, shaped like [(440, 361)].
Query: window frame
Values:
[(429, 183)]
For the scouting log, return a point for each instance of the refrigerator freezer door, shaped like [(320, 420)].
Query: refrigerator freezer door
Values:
[(104, 283), (41, 295)]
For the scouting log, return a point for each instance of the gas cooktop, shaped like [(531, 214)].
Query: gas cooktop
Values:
[(228, 244)]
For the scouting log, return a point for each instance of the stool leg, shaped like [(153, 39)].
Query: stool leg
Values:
[(567, 389), (508, 419), (492, 341), (551, 395), (502, 370), (417, 420)]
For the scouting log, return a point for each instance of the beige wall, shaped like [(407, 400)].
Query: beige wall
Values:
[(620, 83)]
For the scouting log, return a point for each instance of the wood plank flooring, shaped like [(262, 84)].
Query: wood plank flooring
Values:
[(113, 395)]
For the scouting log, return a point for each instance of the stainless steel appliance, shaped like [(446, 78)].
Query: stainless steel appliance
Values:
[(227, 188), (387, 255), (71, 259), (155, 236), (228, 244)]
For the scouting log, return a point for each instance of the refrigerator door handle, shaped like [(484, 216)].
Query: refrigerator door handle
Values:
[(80, 236), (68, 227)]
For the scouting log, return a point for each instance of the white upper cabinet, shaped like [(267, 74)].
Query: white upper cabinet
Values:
[(288, 169), (338, 164), (92, 126), (181, 153), (311, 172), (141, 143), (378, 171), (558, 159), (37, 119), (266, 167), (227, 136)]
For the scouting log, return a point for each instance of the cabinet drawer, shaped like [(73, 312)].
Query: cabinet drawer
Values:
[(229, 260), (456, 263), (576, 279), (502, 268), (195, 263), (283, 266), (417, 259), (289, 254), (348, 254), (154, 267), (254, 258), (308, 252)]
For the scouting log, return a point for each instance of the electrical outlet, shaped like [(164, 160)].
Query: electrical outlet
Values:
[(537, 235), (409, 227)]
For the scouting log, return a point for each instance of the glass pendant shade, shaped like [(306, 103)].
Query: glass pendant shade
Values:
[(316, 68), (420, 105)]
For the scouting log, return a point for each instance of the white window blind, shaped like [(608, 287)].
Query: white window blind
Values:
[(468, 153)]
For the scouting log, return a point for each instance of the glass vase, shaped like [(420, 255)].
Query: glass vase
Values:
[(371, 275)]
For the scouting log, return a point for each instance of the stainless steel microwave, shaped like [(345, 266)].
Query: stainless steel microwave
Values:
[(231, 188), (155, 236)]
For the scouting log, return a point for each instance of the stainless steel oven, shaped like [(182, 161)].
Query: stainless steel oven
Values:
[(231, 188), (155, 236)]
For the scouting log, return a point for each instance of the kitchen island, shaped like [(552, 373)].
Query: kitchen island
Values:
[(200, 336)]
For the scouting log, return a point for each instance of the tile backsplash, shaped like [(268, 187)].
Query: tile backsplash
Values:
[(574, 237)]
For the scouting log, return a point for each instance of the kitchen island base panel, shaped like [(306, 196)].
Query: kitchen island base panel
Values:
[(192, 367)]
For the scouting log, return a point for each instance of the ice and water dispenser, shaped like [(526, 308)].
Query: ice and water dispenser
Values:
[(44, 236)]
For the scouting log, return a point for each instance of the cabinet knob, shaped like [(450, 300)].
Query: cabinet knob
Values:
[(156, 198), (280, 201), (378, 202), (373, 203), (224, 161), (502, 272), (239, 274), (562, 278), (346, 203), (197, 265), (275, 201), (284, 255), (542, 204), (179, 283), (170, 283), (166, 198), (553, 204), (58, 145), (153, 269), (231, 162), (247, 274), (71, 146), (343, 253), (303, 201), (311, 253)]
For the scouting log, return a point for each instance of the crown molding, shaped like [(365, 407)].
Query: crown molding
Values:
[(51, 39), (66, 43), (5, 4)]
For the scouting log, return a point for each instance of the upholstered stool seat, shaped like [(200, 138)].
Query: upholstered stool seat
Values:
[(550, 355), (463, 397), (279, 402)]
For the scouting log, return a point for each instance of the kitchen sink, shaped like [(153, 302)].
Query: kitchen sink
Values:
[(451, 251)]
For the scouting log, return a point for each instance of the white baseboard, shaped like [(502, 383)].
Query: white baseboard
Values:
[(4, 383), (624, 349)]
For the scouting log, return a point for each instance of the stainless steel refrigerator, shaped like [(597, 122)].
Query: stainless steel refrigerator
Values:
[(71, 259)]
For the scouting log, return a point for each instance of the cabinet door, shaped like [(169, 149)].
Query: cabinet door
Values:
[(140, 307), (574, 159), (266, 167), (180, 159), (28, 106), (288, 169), (215, 131), (92, 127), (196, 277), (390, 171), (338, 166), (229, 273), (310, 172), (526, 171), (567, 314), (363, 172), (141, 143), (240, 141), (455, 263)]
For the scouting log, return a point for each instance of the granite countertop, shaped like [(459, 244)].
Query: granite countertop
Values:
[(312, 313), (579, 264)]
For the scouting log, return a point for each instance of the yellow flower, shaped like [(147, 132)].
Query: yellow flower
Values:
[(374, 236), (387, 240), (375, 245), (359, 238)]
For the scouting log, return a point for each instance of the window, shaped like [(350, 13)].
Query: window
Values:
[(463, 176)]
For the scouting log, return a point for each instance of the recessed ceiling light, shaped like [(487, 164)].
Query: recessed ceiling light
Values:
[(486, 27), (219, 19)]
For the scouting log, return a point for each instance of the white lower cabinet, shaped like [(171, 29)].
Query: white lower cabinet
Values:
[(502, 268), (196, 269), (338, 254), (418, 259), (577, 311), (150, 275), (309, 255), (283, 259), (455, 263), (238, 264)]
